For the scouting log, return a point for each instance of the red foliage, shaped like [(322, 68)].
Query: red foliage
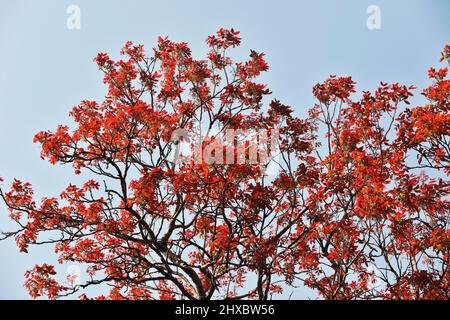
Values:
[(348, 212)]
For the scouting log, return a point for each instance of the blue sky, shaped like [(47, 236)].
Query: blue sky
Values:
[(45, 68)]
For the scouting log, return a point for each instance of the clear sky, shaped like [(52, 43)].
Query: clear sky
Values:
[(46, 68)]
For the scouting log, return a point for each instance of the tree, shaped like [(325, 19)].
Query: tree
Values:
[(198, 187)]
